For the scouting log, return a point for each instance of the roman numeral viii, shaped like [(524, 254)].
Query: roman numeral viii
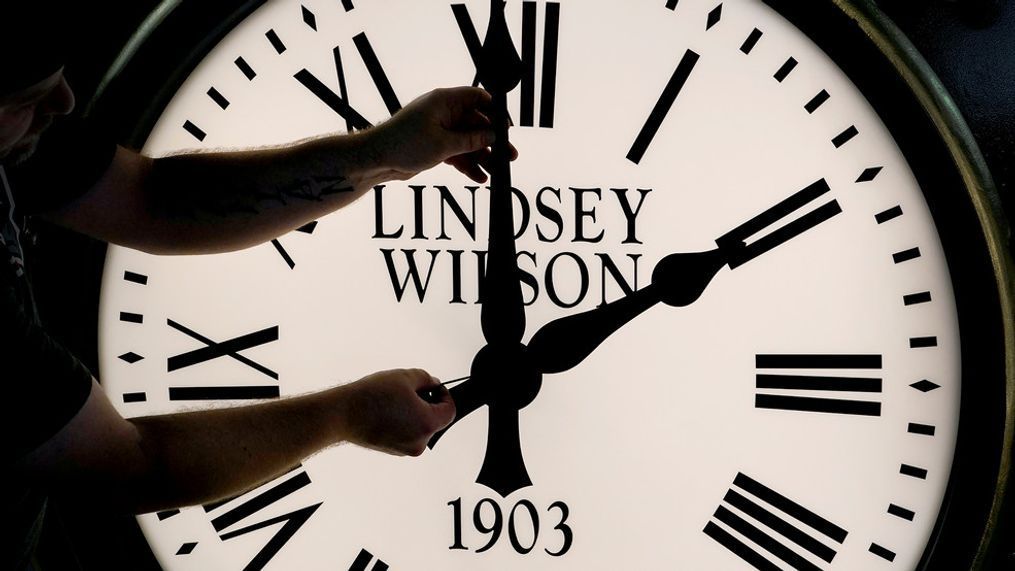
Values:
[(544, 65), (754, 518), (256, 505), (790, 382)]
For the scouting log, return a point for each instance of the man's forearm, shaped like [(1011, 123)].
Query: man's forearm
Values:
[(222, 201), (198, 457), (169, 461), (202, 203)]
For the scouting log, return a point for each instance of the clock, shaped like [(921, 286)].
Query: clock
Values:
[(765, 304)]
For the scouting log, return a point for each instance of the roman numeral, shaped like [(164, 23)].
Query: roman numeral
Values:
[(305, 229), (531, 64), (339, 102), (230, 348), (819, 374), (734, 243), (380, 79), (256, 392), (363, 559), (136, 278), (768, 521), (258, 501), (663, 106)]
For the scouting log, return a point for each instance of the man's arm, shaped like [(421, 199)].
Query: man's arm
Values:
[(157, 462), (222, 201)]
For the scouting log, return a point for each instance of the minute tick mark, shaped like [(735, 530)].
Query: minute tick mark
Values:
[(663, 106)]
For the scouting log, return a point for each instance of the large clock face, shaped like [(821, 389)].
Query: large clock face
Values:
[(801, 413)]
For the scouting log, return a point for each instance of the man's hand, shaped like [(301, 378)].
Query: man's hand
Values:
[(384, 411), (444, 125)]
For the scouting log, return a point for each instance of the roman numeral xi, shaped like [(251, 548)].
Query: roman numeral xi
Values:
[(794, 382), (755, 518)]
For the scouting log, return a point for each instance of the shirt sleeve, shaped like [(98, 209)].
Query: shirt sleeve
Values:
[(44, 384), (71, 157)]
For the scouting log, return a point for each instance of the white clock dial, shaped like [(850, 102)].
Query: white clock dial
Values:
[(802, 411)]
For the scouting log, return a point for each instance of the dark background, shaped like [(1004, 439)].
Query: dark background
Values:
[(969, 43)]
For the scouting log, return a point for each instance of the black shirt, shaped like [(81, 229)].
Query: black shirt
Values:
[(45, 385)]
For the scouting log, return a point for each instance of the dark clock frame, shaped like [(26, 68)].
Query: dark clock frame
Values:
[(933, 137)]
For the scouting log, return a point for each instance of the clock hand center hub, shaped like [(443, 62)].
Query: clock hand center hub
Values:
[(509, 377)]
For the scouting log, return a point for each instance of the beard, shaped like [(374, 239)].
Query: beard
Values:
[(25, 148), (21, 152)]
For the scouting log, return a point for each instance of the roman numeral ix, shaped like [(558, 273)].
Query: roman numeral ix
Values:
[(765, 520), (214, 350), (790, 382)]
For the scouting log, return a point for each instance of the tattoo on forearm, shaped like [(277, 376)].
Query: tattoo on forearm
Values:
[(187, 200)]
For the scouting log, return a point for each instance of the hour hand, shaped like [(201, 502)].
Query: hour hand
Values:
[(734, 243), (468, 397), (678, 280)]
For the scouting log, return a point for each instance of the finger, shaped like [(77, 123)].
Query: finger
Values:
[(420, 379), (469, 166), (434, 394), (467, 98), (464, 108), (483, 158), (444, 412), (464, 142), (467, 397)]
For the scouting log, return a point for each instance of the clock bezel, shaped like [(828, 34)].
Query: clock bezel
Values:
[(907, 96)]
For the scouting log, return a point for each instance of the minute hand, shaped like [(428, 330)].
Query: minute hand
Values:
[(503, 314), (678, 280)]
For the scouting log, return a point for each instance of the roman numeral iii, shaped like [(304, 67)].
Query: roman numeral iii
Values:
[(753, 519), (818, 383)]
